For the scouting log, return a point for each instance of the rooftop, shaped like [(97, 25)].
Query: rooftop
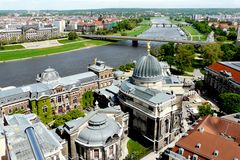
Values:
[(151, 95), (213, 134), (232, 67), (17, 141)]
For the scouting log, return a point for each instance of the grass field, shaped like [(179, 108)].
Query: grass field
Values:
[(11, 47), (196, 36), (13, 55), (65, 41), (137, 149), (145, 25)]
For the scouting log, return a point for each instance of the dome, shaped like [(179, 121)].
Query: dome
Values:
[(49, 74), (99, 130), (147, 69)]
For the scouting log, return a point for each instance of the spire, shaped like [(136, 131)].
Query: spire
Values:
[(148, 47), (95, 60)]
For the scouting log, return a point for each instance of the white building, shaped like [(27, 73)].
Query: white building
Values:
[(60, 24)]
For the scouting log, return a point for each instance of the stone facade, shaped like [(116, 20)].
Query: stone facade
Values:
[(105, 73), (29, 33), (64, 93), (96, 136), (152, 104), (223, 78)]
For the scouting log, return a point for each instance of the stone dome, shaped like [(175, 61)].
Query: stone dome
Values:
[(147, 69), (99, 130), (48, 75)]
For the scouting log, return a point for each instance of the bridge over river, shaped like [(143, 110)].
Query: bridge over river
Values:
[(136, 39)]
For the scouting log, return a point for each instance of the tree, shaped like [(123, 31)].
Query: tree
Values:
[(184, 56), (221, 38), (211, 53), (205, 109), (87, 99), (199, 85), (72, 35), (230, 51), (232, 35), (229, 102)]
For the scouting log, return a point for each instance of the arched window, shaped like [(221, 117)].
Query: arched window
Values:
[(167, 125), (75, 100)]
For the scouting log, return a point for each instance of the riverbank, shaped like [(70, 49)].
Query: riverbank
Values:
[(31, 53)]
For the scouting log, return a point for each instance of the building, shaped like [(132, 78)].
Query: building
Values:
[(36, 33), (19, 144), (60, 24), (223, 76), (53, 92), (238, 37), (29, 33), (99, 135), (210, 138), (150, 98), (104, 73)]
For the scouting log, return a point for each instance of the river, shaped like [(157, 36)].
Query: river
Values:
[(22, 72)]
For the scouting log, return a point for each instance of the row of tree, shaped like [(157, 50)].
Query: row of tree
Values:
[(230, 103), (220, 34), (182, 56)]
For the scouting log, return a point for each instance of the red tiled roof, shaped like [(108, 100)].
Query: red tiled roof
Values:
[(219, 134), (218, 67)]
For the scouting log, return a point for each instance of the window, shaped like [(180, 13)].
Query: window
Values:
[(96, 154), (59, 99), (194, 157), (111, 150), (44, 109), (75, 100), (181, 151), (167, 125)]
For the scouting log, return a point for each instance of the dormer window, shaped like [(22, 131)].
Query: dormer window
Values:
[(216, 153), (180, 151)]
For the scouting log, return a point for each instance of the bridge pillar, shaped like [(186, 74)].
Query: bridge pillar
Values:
[(135, 43)]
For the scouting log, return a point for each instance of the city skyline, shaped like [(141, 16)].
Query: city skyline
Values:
[(85, 4)]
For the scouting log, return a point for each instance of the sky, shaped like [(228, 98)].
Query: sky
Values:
[(92, 4)]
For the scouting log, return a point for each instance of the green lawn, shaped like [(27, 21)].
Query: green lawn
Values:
[(65, 41), (194, 33), (11, 47), (145, 25), (191, 30), (13, 55), (136, 149)]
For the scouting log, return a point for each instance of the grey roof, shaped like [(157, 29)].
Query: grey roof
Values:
[(100, 128), (147, 69), (150, 95), (37, 90), (109, 91), (234, 65), (99, 66), (48, 75), (18, 141)]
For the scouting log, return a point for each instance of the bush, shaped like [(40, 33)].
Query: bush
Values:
[(72, 35), (123, 34), (229, 102), (60, 120), (221, 38), (205, 109)]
